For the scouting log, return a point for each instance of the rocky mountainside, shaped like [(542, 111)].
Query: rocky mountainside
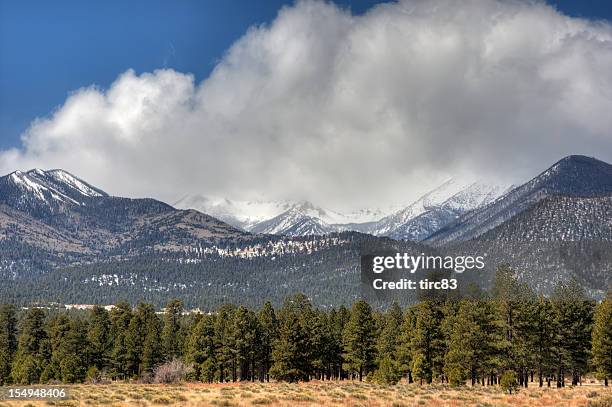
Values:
[(60, 213), (436, 209), (414, 222), (573, 176)]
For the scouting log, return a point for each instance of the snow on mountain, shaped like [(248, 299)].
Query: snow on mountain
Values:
[(436, 208), (248, 215), (304, 218), (301, 219), (431, 199), (573, 176), (241, 214), (37, 190)]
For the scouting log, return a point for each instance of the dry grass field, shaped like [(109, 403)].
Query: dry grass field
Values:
[(321, 394)]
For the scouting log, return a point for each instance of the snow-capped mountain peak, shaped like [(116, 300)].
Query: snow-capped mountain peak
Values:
[(45, 190), (434, 209)]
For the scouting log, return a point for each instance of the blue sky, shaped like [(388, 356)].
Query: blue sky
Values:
[(48, 49), (421, 90)]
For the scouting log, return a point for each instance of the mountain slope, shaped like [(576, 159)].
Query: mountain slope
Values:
[(58, 212), (573, 176), (558, 219), (240, 214), (436, 209), (302, 219)]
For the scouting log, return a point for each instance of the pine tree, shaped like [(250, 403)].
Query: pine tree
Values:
[(246, 331), (573, 315), (32, 348), (269, 334), (359, 340), (144, 350), (404, 348), (98, 338), (201, 352), (225, 343), (602, 339), (292, 351), (389, 338), (471, 343), (68, 344), (172, 336), (8, 341), (337, 320), (542, 337), (428, 343), (120, 318)]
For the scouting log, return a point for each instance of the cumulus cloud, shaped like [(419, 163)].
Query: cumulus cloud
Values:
[(347, 110)]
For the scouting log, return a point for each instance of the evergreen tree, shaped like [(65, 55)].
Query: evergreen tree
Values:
[(428, 344), (337, 320), (172, 336), (268, 335), (389, 338), (201, 352), (32, 353), (359, 340), (573, 314), (120, 318), (471, 344), (143, 346), (98, 338), (225, 343), (69, 345), (246, 332), (404, 348), (8, 341), (602, 340), (292, 351)]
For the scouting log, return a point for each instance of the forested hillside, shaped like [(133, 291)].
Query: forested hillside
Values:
[(509, 333)]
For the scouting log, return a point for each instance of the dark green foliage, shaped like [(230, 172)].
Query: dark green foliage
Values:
[(201, 352), (172, 336), (509, 382), (602, 339), (33, 350), (292, 352), (98, 338), (387, 372), (359, 340), (8, 341), (514, 338)]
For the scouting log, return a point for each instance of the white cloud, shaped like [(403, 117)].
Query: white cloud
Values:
[(347, 110)]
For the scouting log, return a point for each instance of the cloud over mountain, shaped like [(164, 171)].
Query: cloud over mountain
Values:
[(343, 109)]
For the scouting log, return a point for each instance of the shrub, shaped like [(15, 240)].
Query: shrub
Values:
[(509, 382), (93, 375), (171, 372), (387, 373)]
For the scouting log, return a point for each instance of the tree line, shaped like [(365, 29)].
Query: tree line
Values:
[(508, 333)]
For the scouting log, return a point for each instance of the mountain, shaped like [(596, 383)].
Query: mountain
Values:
[(45, 192), (554, 228), (436, 209), (58, 213), (241, 214), (301, 219), (276, 216), (414, 222), (572, 176)]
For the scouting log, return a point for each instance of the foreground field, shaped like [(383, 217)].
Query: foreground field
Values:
[(321, 394)]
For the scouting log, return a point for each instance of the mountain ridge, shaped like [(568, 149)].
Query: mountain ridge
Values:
[(574, 175)]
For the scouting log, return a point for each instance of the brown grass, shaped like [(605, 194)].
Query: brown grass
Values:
[(343, 394)]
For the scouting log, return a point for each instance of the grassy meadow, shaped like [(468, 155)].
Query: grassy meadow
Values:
[(353, 394)]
